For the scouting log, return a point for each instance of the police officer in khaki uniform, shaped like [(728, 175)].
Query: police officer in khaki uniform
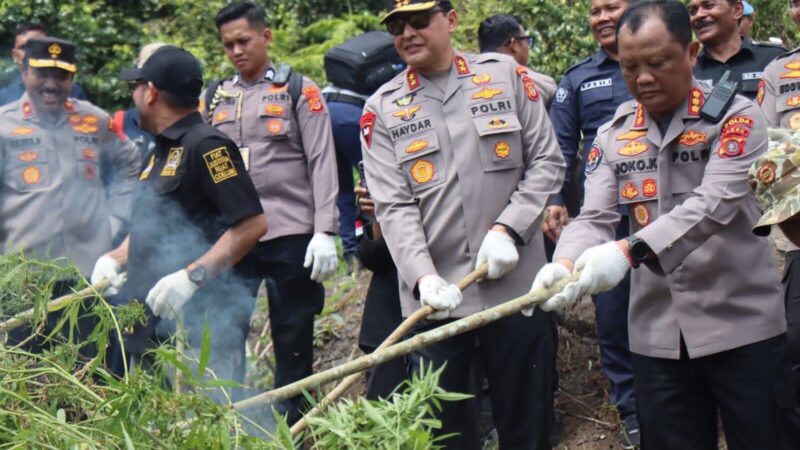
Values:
[(288, 149), (706, 321), (455, 146), (53, 152)]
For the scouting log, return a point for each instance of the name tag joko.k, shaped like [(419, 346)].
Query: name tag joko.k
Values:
[(595, 84)]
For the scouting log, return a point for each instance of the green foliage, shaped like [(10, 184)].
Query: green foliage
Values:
[(773, 19)]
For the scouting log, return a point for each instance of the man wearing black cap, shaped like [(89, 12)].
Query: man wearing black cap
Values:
[(196, 215), (461, 159)]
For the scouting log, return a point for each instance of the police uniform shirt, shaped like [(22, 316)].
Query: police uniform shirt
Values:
[(746, 66), (194, 188), (53, 200), (715, 282), (587, 97), (444, 165), (288, 149)]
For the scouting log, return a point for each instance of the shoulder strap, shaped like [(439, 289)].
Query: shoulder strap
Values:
[(295, 87)]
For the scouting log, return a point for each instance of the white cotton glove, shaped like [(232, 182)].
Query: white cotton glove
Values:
[(604, 266), (107, 268), (499, 251), (321, 252), (547, 277), (170, 294), (440, 295)]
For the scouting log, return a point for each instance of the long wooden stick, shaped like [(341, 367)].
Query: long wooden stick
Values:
[(55, 305), (405, 347), (396, 335)]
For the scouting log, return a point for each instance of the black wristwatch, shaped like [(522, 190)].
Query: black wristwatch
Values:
[(639, 250), (197, 274)]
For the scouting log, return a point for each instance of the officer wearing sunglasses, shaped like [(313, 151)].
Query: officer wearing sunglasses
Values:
[(461, 159)]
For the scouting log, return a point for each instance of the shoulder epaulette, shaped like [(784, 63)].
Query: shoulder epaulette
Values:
[(578, 64)]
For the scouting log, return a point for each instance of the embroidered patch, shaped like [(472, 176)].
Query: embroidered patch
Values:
[(760, 93), (89, 154), (738, 120), (530, 89), (486, 94), (641, 214), (631, 135), (28, 156), (173, 161), (220, 165), (649, 188), (629, 191), (314, 99), (793, 101), (274, 126), (731, 146), (90, 172), (367, 124), (691, 138), (413, 79), (274, 109), (496, 124), (407, 113), (633, 148), (22, 131), (404, 100), (417, 146), (422, 171), (502, 149), (31, 175), (561, 95), (696, 101), (593, 160), (462, 68), (481, 79), (146, 172)]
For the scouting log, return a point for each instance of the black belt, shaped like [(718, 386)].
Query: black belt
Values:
[(343, 98)]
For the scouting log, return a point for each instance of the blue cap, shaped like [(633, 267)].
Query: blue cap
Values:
[(748, 9)]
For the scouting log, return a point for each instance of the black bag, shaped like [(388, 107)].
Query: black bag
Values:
[(363, 63)]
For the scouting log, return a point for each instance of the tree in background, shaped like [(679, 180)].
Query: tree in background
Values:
[(109, 33)]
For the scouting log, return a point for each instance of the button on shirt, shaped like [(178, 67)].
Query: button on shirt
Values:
[(289, 151), (746, 66), (586, 98)]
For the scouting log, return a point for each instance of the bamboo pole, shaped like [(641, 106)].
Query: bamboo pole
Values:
[(396, 335), (55, 305), (377, 357)]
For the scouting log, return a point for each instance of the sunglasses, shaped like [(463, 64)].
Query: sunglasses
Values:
[(527, 39), (418, 20), (135, 84)]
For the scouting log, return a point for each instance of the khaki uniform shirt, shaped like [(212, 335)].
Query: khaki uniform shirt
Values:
[(288, 150), (779, 97), (715, 282), (53, 202), (444, 166)]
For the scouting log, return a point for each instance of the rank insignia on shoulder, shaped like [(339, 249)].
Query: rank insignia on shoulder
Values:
[(413, 79), (691, 138), (696, 101), (462, 68), (422, 171), (486, 93), (593, 159), (638, 120), (631, 135), (367, 124), (220, 165), (481, 79), (641, 214), (27, 110)]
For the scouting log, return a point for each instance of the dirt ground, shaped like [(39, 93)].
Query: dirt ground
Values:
[(587, 422)]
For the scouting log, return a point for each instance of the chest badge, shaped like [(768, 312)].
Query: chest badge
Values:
[(496, 124), (629, 191), (405, 100), (633, 148), (274, 109), (173, 161), (417, 146), (481, 79), (691, 138), (731, 146), (631, 135), (274, 126), (502, 149), (793, 68), (486, 94), (28, 156), (793, 101), (641, 214), (31, 175), (22, 131), (407, 113), (794, 121), (422, 171), (649, 188)]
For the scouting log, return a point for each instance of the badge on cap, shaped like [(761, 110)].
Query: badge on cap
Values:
[(422, 171), (54, 50)]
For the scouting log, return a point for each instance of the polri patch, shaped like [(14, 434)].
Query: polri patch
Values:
[(220, 165), (593, 159)]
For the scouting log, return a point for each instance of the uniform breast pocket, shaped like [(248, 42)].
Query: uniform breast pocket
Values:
[(422, 161), (224, 117), (637, 188), (88, 165), (750, 87), (274, 117), (499, 143), (27, 171), (593, 99)]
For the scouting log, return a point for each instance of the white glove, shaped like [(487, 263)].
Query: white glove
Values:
[(499, 250), (548, 276), (604, 266), (321, 252), (107, 268), (440, 295), (170, 294)]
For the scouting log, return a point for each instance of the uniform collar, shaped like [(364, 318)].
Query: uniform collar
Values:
[(414, 81), (747, 46), (268, 75), (176, 131), (688, 110), (601, 57), (28, 110)]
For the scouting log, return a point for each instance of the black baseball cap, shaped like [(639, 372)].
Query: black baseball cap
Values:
[(51, 52), (170, 69)]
